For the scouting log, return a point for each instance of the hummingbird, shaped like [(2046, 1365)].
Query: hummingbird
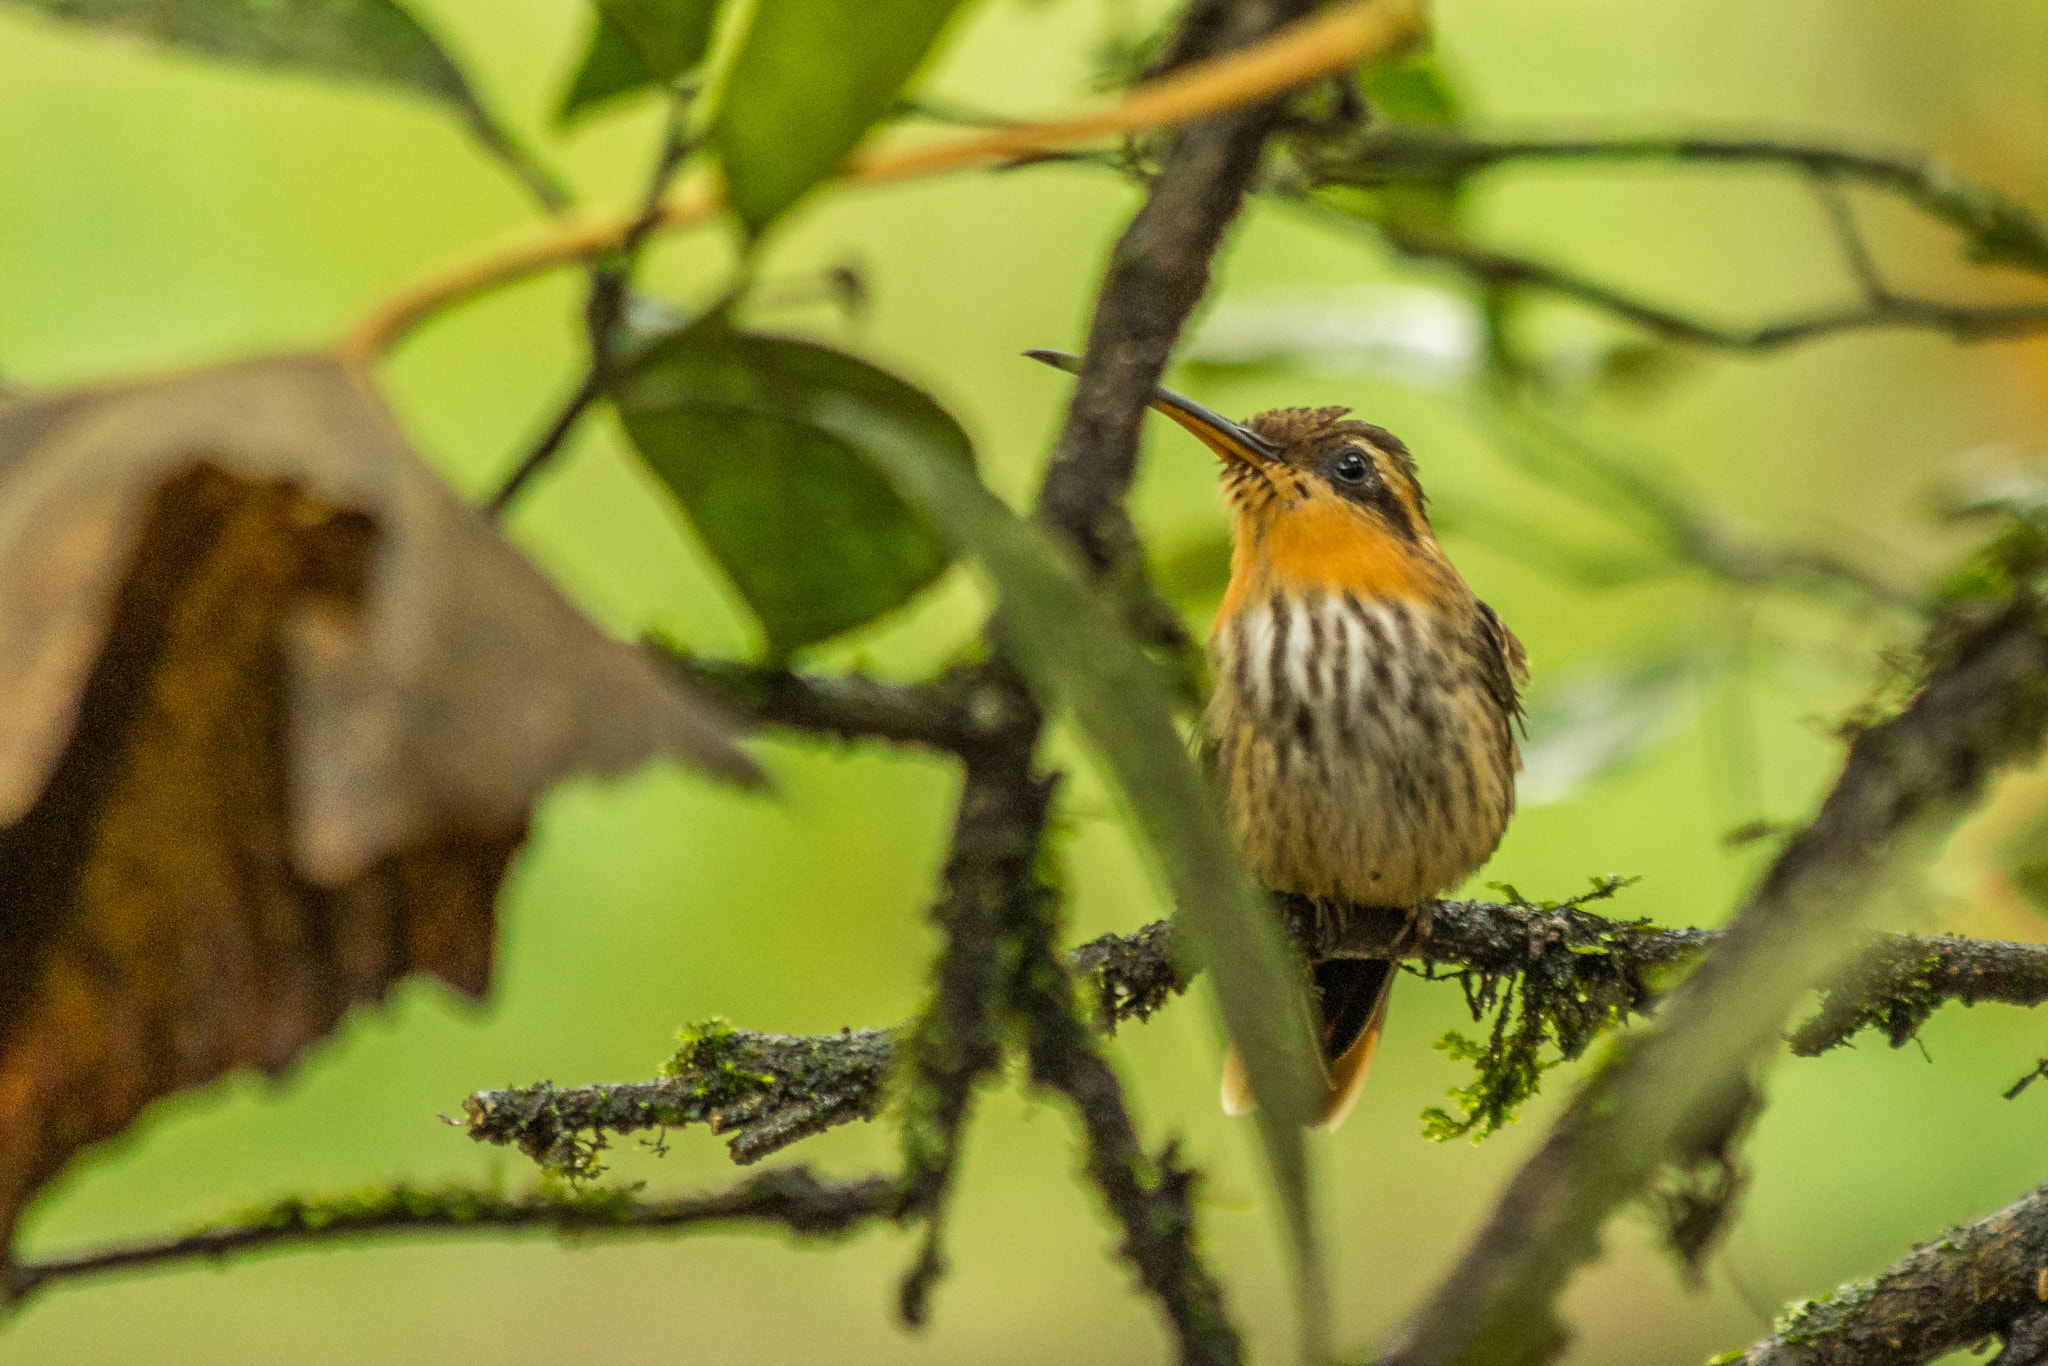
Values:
[(1360, 736)]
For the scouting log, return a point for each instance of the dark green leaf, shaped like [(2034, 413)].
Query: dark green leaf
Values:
[(810, 532), (359, 40), (672, 36), (1074, 651), (811, 75), (365, 40), (638, 45), (612, 68)]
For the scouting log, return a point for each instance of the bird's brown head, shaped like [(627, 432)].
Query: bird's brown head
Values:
[(1319, 501)]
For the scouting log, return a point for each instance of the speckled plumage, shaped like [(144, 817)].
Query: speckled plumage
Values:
[(1361, 735), (1361, 732), (1357, 746)]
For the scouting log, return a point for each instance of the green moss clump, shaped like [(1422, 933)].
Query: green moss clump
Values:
[(450, 1204), (1561, 1003), (714, 1058), (1509, 1070)]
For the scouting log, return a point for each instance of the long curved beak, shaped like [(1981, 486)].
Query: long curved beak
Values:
[(1233, 441)]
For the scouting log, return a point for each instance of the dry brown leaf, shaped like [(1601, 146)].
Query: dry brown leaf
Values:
[(277, 706)]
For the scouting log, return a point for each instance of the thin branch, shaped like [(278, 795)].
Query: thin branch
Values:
[(1335, 40), (1987, 1280), (1964, 322), (1849, 239), (1678, 1095), (1689, 535), (950, 713), (1152, 1198), (559, 426), (512, 152), (790, 1197), (611, 278), (988, 891), (1902, 978), (1157, 274), (1999, 228)]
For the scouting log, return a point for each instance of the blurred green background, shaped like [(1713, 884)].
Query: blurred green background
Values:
[(160, 211)]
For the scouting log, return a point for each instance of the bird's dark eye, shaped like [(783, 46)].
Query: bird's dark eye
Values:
[(1348, 468)]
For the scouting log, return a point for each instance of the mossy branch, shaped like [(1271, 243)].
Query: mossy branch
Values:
[(1568, 972), (764, 1091), (792, 1198), (1903, 978), (1987, 1280), (1677, 1096)]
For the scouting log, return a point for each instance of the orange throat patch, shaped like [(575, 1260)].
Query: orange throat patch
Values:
[(1321, 544)]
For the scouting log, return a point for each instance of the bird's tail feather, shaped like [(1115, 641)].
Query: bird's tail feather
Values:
[(1352, 999)]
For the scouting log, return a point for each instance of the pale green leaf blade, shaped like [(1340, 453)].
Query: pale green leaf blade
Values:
[(1074, 650)]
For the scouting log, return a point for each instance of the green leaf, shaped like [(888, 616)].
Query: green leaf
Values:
[(363, 40), (1074, 651), (1415, 90), (810, 76), (612, 68), (672, 36), (812, 535), (637, 45)]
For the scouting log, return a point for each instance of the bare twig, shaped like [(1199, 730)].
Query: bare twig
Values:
[(557, 431), (1964, 322), (535, 175), (1849, 239), (791, 1197), (611, 280), (1997, 227), (1335, 40), (947, 714), (1987, 1280)]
